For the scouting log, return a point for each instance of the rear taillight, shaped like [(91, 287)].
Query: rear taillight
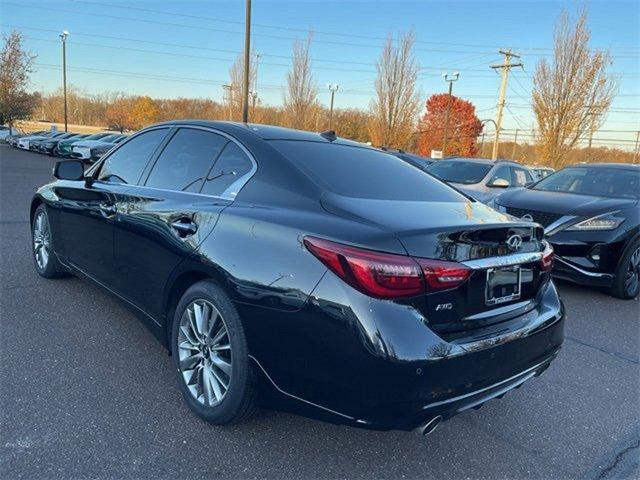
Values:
[(386, 275), (440, 274), (546, 262)]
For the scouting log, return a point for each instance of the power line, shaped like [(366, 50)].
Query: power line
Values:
[(234, 32), (306, 31)]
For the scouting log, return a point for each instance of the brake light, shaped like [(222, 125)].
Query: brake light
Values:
[(441, 274), (386, 275), (546, 262)]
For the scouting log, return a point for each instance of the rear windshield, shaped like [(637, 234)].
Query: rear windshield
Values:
[(459, 172), (364, 173), (596, 181)]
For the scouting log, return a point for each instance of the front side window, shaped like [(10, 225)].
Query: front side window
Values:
[(364, 172), (232, 165), (502, 173), (185, 161), (126, 164), (459, 171)]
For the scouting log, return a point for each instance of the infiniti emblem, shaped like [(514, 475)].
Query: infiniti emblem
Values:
[(514, 242), (526, 217)]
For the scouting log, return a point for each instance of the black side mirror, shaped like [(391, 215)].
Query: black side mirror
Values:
[(69, 170)]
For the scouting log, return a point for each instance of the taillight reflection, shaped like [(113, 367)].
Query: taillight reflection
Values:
[(546, 262)]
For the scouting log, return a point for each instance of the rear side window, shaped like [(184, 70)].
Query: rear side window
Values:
[(126, 164), (231, 166), (520, 177), (364, 173), (185, 161)]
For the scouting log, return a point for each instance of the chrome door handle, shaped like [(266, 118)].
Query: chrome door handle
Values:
[(108, 209), (184, 227)]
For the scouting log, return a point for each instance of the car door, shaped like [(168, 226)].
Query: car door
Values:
[(86, 212), (169, 214)]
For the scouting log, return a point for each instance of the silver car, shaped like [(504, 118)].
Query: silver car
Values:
[(481, 178)]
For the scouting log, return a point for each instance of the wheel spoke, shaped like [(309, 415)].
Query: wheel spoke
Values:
[(222, 364), (197, 311), (188, 335), (224, 384), (221, 347), (206, 380), (220, 334), (189, 362)]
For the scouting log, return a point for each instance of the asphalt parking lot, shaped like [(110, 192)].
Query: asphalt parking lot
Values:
[(87, 391)]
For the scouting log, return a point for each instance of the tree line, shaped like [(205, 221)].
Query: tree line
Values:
[(570, 97)]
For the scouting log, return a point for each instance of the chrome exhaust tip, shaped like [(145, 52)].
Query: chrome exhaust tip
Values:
[(431, 425)]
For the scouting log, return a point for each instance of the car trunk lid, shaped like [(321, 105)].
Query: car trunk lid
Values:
[(504, 255)]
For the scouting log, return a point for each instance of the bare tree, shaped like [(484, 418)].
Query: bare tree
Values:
[(234, 89), (301, 96), (572, 94), (15, 67), (394, 110)]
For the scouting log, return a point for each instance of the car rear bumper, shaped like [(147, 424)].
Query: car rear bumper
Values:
[(384, 369)]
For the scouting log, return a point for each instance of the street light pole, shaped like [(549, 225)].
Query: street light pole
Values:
[(333, 88), (63, 37), (247, 51), (450, 79)]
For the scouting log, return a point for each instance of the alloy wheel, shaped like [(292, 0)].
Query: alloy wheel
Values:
[(204, 352), (633, 273), (41, 240)]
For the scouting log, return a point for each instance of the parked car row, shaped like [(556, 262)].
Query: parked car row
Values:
[(85, 147)]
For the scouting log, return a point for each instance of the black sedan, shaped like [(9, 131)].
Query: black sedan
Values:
[(48, 146), (305, 272), (590, 213)]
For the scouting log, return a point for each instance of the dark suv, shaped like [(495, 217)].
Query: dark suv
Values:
[(306, 272), (591, 216)]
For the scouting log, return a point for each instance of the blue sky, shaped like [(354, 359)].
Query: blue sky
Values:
[(188, 51)]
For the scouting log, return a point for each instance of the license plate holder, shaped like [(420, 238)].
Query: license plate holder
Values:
[(504, 284)]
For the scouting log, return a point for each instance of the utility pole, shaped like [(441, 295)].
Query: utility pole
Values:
[(515, 142), (635, 153), (247, 61), (63, 37), (482, 145), (333, 88), (505, 68), (228, 98), (450, 79)]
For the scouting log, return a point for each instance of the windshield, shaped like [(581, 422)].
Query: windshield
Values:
[(364, 172), (459, 171), (594, 181)]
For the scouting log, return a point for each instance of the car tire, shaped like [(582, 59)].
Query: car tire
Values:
[(626, 283), (211, 357), (42, 246)]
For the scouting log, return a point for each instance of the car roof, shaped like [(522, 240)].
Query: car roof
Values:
[(484, 161), (619, 166), (265, 132)]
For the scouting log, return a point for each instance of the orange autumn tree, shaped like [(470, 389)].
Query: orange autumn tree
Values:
[(463, 130)]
